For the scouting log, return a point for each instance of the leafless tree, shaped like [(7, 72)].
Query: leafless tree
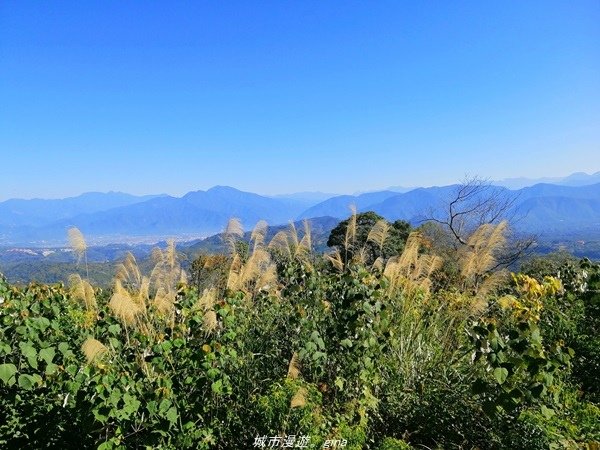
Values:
[(476, 202)]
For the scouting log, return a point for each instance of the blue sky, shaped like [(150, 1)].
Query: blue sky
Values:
[(274, 97)]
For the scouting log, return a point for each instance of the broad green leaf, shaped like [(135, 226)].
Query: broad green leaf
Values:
[(500, 373), (40, 323), (63, 347), (164, 405), (7, 372), (29, 353), (217, 387), (26, 381), (47, 354), (547, 412), (346, 343), (172, 415)]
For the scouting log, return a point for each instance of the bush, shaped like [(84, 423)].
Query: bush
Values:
[(289, 345)]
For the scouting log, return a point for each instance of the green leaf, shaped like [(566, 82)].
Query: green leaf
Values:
[(7, 372), (51, 368), (217, 387), (41, 323), (535, 335), (26, 382), (29, 353), (346, 343), (547, 412), (164, 405), (172, 415), (5, 348), (47, 354), (318, 355), (500, 373), (131, 404)]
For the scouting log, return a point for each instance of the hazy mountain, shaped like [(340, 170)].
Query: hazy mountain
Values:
[(581, 179), (117, 217), (575, 179), (542, 208), (339, 207), (552, 190), (37, 212), (400, 189), (199, 212), (414, 206), (308, 198), (397, 189)]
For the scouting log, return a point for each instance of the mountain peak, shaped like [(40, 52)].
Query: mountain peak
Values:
[(220, 188)]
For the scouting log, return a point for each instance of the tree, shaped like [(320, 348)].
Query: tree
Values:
[(390, 242), (210, 271), (474, 203)]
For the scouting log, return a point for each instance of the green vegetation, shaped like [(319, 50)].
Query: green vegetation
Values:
[(362, 348), (374, 235)]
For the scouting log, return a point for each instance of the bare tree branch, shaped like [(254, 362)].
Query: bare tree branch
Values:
[(476, 202)]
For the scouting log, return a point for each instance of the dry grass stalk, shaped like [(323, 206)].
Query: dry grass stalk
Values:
[(77, 241), (128, 271), (335, 258), (378, 264), (164, 301), (207, 299), (350, 237), (164, 279), (93, 349), (360, 256), (306, 241), (210, 321), (299, 399), (281, 242), (233, 231), (257, 273), (82, 290), (379, 233), (294, 367), (259, 233), (412, 270), (293, 236), (479, 256), (79, 246), (124, 306)]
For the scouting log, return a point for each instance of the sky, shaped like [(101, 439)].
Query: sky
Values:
[(278, 97)]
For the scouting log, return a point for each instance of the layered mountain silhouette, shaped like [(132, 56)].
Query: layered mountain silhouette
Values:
[(117, 217), (575, 179), (198, 212)]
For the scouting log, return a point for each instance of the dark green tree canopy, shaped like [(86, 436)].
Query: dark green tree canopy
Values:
[(393, 245)]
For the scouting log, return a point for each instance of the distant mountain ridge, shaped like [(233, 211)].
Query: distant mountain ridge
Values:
[(36, 212), (117, 217), (575, 179), (200, 212), (543, 208)]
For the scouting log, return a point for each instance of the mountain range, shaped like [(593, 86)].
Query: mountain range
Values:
[(546, 209), (575, 179)]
